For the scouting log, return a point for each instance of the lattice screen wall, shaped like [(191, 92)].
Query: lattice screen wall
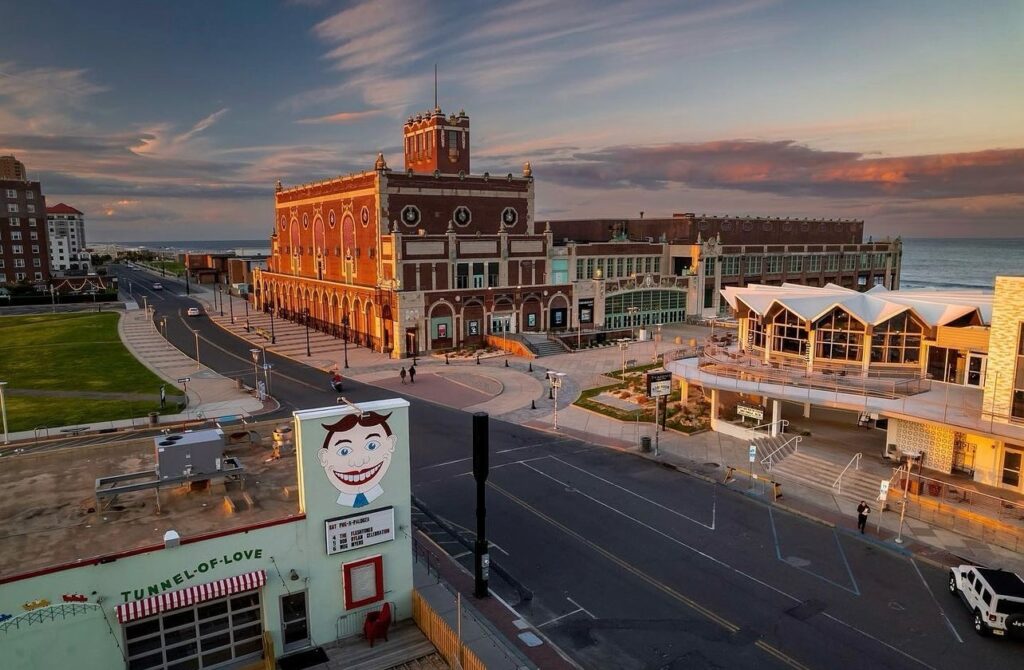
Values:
[(934, 441)]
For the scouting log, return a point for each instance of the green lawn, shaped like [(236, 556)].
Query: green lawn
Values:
[(71, 352)]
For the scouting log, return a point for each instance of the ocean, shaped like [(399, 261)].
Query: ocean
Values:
[(965, 263)]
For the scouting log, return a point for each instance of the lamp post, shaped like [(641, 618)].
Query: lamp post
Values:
[(305, 320), (196, 333), (623, 345), (220, 290), (231, 305), (344, 334), (163, 327), (188, 288), (53, 300), (657, 338), (273, 337), (555, 380), (255, 370), (3, 409), (246, 302), (632, 311)]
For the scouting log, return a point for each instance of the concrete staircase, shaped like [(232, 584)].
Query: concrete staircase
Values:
[(803, 468), (777, 448), (540, 345)]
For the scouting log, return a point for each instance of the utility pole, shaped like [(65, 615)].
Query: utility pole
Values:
[(196, 333), (3, 409), (481, 467)]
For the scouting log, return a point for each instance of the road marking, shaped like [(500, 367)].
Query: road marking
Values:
[(931, 593), (581, 607), (778, 554), (661, 586), (469, 458), (653, 502)]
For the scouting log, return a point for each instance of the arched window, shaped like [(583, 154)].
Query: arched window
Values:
[(839, 336), (898, 340), (790, 333)]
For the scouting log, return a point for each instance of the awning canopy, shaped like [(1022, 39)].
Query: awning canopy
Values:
[(172, 600)]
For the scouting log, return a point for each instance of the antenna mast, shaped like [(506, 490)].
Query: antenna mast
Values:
[(435, 85)]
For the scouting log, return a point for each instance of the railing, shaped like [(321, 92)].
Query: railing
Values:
[(740, 366), (784, 423), (837, 485), (960, 507), (768, 461)]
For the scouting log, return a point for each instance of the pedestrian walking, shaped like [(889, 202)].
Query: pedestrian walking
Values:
[(412, 373), (402, 374), (862, 515)]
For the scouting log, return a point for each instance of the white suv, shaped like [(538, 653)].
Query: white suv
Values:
[(996, 598)]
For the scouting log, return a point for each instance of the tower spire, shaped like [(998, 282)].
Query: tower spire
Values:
[(435, 85)]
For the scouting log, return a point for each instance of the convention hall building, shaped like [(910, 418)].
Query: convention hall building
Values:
[(433, 256)]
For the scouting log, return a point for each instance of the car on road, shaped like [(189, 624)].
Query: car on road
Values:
[(995, 597), (193, 311), (157, 286)]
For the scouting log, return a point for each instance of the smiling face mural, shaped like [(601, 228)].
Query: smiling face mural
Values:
[(355, 456)]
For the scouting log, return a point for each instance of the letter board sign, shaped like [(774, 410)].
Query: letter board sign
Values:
[(659, 384), (363, 529)]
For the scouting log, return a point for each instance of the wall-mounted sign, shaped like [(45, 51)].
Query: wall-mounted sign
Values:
[(750, 411), (659, 384), (356, 455), (355, 531), (587, 311), (474, 328)]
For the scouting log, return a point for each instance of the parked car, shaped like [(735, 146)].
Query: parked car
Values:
[(995, 597), (157, 286), (193, 311)]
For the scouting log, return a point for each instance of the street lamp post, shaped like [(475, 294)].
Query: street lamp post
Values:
[(196, 333), (305, 319), (623, 345), (344, 334), (555, 380), (231, 305), (255, 370), (188, 288), (163, 326), (3, 409), (246, 302), (53, 300), (273, 337), (220, 290), (657, 338), (632, 311)]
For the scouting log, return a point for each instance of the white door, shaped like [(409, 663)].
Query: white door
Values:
[(976, 366)]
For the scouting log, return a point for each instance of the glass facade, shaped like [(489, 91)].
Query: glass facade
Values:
[(839, 337), (789, 333), (654, 305), (898, 340)]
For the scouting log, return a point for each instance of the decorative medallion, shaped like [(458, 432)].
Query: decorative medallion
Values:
[(364, 216), (804, 227), (703, 225), (787, 226), (331, 220), (766, 226), (410, 215), (727, 226), (509, 216), (462, 216), (747, 226), (838, 227), (284, 222), (305, 221)]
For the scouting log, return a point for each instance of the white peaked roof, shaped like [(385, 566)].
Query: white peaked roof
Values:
[(934, 308)]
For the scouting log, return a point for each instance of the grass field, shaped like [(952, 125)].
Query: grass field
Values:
[(68, 353)]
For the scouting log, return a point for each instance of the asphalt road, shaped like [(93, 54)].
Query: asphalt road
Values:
[(633, 565)]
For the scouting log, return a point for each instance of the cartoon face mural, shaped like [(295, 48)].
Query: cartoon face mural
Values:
[(355, 456)]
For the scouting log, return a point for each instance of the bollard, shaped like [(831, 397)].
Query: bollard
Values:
[(531, 367), (478, 359), (533, 404), (446, 359), (506, 362)]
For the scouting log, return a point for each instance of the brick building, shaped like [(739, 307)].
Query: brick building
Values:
[(436, 257), (24, 247)]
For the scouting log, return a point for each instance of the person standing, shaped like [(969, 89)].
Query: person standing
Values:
[(402, 374), (412, 373), (862, 516)]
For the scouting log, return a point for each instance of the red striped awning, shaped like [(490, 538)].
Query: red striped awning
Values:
[(172, 600)]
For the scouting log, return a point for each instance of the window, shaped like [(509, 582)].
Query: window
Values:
[(629, 267), (579, 268), (462, 275), (865, 261), (15, 222), (590, 268), (832, 263), (1017, 406), (19, 276), (754, 265), (796, 263), (12, 194), (790, 333), (647, 265), (15, 234), (30, 195), (17, 249), (850, 262), (492, 274), (618, 267), (39, 275), (897, 341), (560, 271), (31, 209), (880, 260), (755, 330), (478, 275), (657, 265), (35, 248), (774, 264), (33, 235), (31, 223), (839, 336), (600, 266), (12, 208), (730, 266), (36, 263), (814, 263), (709, 267), (654, 305)]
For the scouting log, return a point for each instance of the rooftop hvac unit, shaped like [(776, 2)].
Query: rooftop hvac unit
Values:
[(189, 454)]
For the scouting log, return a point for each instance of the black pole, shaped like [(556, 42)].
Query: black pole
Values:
[(308, 352), (188, 289), (220, 290), (344, 327), (481, 466), (231, 305), (273, 337)]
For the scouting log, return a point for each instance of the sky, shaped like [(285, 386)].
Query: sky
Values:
[(173, 120)]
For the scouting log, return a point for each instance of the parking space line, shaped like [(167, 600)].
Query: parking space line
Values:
[(931, 593), (842, 555), (656, 504), (582, 608), (778, 554)]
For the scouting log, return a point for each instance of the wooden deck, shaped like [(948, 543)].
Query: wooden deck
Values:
[(406, 648)]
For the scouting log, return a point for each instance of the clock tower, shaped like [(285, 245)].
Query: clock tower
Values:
[(436, 143)]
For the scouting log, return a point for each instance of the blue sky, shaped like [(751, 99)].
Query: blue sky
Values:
[(172, 120)]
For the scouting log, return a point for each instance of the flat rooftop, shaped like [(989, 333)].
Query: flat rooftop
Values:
[(49, 514)]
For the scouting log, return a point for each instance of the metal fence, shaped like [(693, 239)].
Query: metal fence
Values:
[(961, 508)]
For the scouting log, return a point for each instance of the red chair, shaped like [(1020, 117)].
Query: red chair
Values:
[(377, 623)]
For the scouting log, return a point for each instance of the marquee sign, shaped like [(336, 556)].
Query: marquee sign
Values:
[(364, 529), (659, 384)]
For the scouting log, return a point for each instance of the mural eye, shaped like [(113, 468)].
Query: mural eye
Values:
[(372, 445), (344, 451)]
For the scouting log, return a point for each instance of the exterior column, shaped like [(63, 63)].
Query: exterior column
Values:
[(776, 417), (684, 390), (714, 409), (865, 350), (807, 410)]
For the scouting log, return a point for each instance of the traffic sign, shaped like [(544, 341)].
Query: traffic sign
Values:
[(753, 453), (184, 380), (883, 489)]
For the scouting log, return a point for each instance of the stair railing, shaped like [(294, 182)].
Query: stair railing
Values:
[(771, 459), (783, 424), (837, 485)]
